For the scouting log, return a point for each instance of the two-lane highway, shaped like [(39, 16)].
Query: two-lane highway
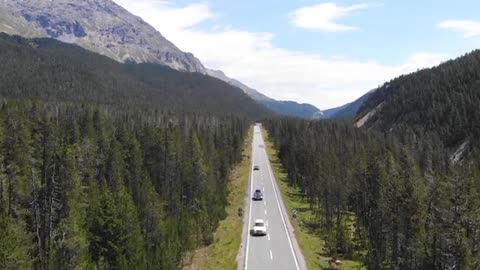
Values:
[(278, 249)]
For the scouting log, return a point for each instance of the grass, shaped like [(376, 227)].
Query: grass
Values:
[(221, 255), (310, 241)]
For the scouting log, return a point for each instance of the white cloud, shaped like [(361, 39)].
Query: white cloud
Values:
[(468, 28), (162, 11), (251, 57), (323, 16)]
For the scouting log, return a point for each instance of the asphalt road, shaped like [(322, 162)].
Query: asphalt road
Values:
[(278, 250)]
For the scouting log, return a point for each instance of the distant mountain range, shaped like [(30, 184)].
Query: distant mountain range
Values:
[(347, 111), (290, 108), (106, 28), (254, 94)]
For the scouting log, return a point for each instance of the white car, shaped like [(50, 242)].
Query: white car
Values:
[(259, 227)]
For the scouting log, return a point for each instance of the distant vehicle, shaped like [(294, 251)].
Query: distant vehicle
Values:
[(256, 168), (257, 195), (259, 227)]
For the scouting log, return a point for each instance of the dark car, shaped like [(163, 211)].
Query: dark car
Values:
[(257, 195), (256, 168)]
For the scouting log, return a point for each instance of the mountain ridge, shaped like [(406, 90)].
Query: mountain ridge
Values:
[(101, 26), (50, 70), (347, 111), (249, 91), (104, 27), (441, 101), (289, 108)]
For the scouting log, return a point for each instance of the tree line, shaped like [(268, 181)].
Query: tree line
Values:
[(50, 70), (94, 187), (393, 201), (442, 100)]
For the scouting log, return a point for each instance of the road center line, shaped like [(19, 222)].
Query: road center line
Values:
[(265, 212), (271, 255), (270, 172)]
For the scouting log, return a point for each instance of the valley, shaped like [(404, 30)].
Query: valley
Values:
[(121, 149)]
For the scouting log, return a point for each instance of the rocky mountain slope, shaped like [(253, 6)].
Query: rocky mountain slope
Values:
[(17, 26), (101, 26), (290, 108)]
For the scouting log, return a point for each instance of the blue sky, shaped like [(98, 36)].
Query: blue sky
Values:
[(325, 53), (389, 31)]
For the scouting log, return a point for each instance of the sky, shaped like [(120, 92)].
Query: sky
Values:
[(326, 53)]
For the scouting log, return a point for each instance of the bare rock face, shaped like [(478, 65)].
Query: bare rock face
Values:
[(101, 26)]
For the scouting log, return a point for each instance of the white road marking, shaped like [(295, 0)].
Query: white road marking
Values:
[(250, 204), (264, 202), (266, 222), (268, 236), (263, 189), (271, 255), (280, 209), (265, 212)]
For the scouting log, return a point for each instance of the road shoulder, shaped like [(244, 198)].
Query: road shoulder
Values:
[(223, 253)]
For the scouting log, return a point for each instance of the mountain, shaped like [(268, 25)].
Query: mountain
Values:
[(50, 70), (247, 90), (289, 108), (330, 113), (292, 108), (106, 28), (442, 101), (101, 26), (17, 26), (347, 111)]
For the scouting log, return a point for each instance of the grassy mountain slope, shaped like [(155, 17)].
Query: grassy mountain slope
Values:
[(54, 71), (17, 26)]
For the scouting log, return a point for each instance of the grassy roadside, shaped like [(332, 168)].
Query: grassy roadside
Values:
[(311, 243), (221, 255)]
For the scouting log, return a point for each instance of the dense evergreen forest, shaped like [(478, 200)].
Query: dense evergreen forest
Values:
[(88, 187), (125, 166), (110, 166), (398, 193), (50, 70), (443, 100), (380, 199)]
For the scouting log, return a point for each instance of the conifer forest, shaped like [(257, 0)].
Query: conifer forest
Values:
[(87, 187)]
